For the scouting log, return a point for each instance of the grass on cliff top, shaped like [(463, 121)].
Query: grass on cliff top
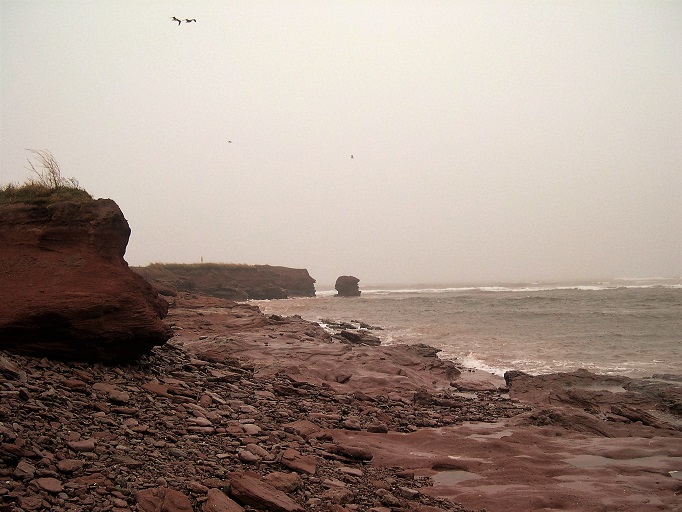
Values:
[(35, 193), (195, 267), (46, 186)]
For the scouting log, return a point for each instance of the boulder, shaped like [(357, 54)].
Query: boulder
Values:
[(162, 499), (217, 501), (347, 286), (360, 337), (65, 290), (248, 489)]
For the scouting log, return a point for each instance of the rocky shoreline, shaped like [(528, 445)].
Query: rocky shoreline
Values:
[(240, 411)]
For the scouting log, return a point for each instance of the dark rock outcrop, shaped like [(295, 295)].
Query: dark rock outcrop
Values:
[(347, 286), (229, 281), (65, 290), (361, 337)]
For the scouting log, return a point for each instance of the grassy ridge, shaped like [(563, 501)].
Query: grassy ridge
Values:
[(196, 267), (38, 193)]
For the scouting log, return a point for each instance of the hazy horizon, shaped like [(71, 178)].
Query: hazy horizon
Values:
[(401, 142)]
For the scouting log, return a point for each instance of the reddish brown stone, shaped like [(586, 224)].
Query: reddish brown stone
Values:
[(303, 428), (94, 479), (285, 482), (354, 452), (294, 460), (84, 445), (217, 501), (162, 499), (248, 489), (15, 450), (24, 470), (70, 465), (30, 502), (157, 388), (75, 384), (48, 484), (9, 369)]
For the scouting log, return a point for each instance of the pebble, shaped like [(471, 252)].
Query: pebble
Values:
[(86, 445), (176, 427)]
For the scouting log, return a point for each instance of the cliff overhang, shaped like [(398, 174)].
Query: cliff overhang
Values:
[(65, 290)]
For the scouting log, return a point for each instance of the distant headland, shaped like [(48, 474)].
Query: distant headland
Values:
[(229, 280)]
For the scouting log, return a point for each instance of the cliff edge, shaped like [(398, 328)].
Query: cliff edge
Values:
[(230, 281), (65, 290)]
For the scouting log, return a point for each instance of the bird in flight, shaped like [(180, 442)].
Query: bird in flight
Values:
[(175, 19), (190, 21), (352, 156)]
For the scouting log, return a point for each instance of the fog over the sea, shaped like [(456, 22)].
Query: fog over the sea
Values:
[(491, 141)]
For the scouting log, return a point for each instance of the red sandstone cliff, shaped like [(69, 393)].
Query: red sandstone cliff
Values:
[(66, 291)]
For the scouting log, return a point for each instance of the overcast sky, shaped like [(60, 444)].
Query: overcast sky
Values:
[(490, 141)]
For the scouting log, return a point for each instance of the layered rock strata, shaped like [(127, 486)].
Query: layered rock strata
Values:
[(65, 290)]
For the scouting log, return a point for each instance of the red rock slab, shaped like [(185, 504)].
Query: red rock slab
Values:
[(9, 369), (75, 385), (94, 479), (301, 427), (292, 459), (85, 445), (372, 370), (162, 499), (51, 485), (306, 353), (217, 501), (70, 465), (354, 452), (15, 450), (249, 489), (285, 482), (154, 386), (535, 468), (30, 502)]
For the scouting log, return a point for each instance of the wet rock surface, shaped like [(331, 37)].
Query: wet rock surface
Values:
[(245, 412), (182, 436)]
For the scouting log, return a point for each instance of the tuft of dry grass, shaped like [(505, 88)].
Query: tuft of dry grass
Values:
[(46, 186)]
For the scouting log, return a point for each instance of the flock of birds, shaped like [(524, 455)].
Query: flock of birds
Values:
[(187, 20)]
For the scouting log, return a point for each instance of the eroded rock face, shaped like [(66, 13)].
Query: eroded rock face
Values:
[(347, 286), (233, 282), (65, 290)]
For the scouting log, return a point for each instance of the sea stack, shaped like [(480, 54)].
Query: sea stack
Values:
[(347, 286)]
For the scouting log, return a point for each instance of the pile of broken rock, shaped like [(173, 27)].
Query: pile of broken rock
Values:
[(175, 433)]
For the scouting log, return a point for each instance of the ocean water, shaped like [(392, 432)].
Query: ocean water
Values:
[(630, 327)]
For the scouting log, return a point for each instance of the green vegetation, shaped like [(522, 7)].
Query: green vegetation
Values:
[(46, 186)]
